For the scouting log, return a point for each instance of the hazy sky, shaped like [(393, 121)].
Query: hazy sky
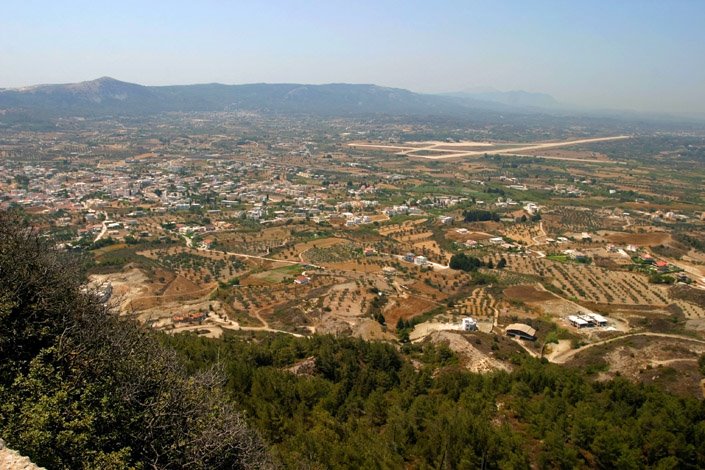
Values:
[(644, 55)]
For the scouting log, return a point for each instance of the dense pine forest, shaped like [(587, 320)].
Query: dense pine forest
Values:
[(82, 388), (365, 405)]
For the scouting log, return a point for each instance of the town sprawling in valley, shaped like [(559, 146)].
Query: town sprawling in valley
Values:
[(335, 235), (573, 244)]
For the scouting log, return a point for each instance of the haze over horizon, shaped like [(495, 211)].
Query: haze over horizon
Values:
[(645, 56)]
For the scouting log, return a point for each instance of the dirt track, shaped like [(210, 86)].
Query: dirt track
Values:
[(564, 357)]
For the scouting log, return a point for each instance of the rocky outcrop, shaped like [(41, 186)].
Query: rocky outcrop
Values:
[(11, 460)]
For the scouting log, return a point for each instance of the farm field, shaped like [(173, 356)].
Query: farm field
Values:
[(591, 283), (351, 229)]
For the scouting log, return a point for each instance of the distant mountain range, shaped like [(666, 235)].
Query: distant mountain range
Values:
[(515, 98), (109, 96)]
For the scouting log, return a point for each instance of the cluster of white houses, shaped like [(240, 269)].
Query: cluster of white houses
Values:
[(587, 320), (417, 260)]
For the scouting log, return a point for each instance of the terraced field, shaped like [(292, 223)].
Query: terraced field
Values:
[(690, 310), (396, 229), (591, 283), (481, 303)]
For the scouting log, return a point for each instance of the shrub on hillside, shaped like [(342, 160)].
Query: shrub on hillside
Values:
[(82, 388)]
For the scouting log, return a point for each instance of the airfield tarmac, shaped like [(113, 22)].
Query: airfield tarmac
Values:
[(449, 150)]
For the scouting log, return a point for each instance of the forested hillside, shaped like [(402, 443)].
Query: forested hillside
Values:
[(82, 388), (365, 405)]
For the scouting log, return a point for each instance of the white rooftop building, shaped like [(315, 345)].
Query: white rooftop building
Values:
[(468, 324)]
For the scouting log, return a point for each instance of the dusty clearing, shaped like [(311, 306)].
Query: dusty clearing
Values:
[(406, 308), (127, 286), (181, 286), (668, 363), (639, 239), (473, 359), (462, 237)]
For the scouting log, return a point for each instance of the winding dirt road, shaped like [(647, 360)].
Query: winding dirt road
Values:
[(565, 356), (189, 243)]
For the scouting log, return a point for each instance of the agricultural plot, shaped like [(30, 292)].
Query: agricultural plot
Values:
[(317, 243), (406, 307), (347, 300), (577, 219), (331, 304), (199, 267), (535, 300), (431, 250), (528, 293), (278, 275), (413, 236), (261, 298), (456, 236), (400, 229), (480, 304), (420, 241), (297, 315), (363, 265), (259, 243), (333, 254), (690, 310), (530, 234), (590, 283), (293, 251), (638, 239)]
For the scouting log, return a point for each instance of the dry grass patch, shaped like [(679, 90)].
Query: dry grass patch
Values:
[(525, 293), (639, 239)]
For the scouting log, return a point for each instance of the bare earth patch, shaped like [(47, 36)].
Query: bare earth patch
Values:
[(525, 293), (639, 239)]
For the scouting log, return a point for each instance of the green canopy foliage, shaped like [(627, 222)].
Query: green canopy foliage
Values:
[(82, 388), (366, 406)]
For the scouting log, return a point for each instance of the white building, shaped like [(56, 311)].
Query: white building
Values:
[(421, 261), (468, 324)]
